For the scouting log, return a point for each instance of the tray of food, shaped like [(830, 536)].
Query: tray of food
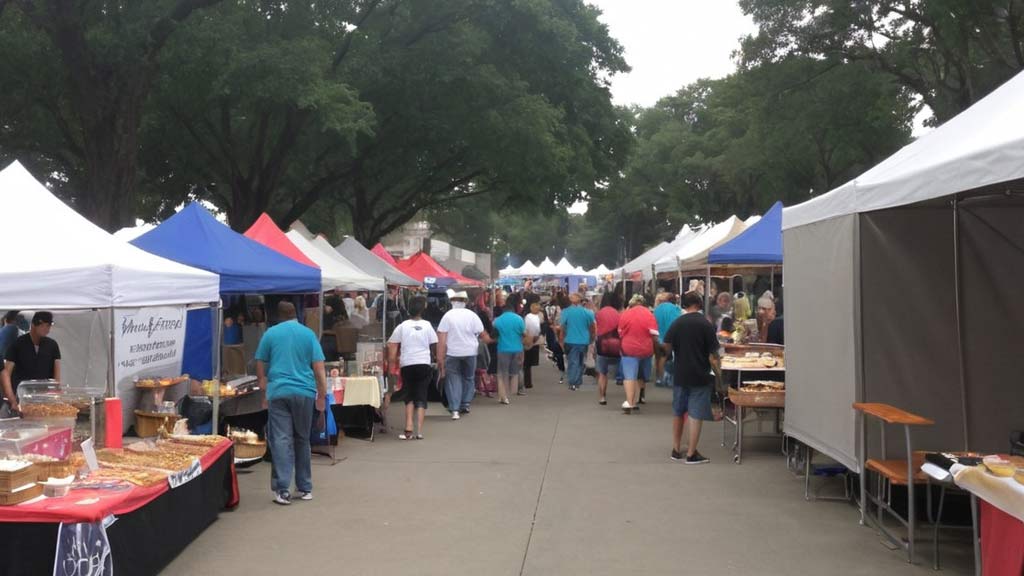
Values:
[(752, 361), (15, 473), (160, 382), (762, 394)]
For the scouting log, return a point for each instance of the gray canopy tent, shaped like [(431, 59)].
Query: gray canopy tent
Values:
[(902, 288)]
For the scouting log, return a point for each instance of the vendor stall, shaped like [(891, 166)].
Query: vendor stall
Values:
[(194, 237), (760, 374), (371, 264), (139, 509), (901, 290)]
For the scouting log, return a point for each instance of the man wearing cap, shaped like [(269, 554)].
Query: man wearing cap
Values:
[(33, 356), (458, 336)]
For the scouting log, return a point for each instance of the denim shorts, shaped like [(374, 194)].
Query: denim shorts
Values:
[(509, 363), (694, 401), (634, 368), (606, 362)]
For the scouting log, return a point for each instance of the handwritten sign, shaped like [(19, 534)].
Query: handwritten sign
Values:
[(83, 550)]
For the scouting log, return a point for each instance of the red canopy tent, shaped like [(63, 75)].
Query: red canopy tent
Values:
[(383, 254), (420, 266), (264, 231)]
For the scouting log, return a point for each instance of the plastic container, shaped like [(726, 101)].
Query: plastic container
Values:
[(57, 487)]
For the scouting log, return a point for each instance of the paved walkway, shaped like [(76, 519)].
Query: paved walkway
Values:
[(552, 484)]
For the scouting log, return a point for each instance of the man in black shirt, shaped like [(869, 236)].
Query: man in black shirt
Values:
[(693, 341), (33, 356)]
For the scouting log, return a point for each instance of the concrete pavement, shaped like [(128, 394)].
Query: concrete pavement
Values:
[(552, 484)]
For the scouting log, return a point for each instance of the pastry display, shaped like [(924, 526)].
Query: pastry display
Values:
[(243, 436), (158, 459), (763, 386), (49, 410), (999, 466), (203, 440), (129, 474), (163, 382)]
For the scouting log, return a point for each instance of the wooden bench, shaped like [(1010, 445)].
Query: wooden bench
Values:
[(890, 472)]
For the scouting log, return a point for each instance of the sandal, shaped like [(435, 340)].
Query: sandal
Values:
[(407, 435)]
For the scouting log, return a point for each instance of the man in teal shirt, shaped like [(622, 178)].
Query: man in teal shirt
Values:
[(578, 328), (511, 329), (665, 314), (294, 385)]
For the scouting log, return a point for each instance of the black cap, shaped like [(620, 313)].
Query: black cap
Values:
[(11, 316), (42, 317)]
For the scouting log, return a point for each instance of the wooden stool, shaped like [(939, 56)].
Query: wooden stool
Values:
[(890, 472)]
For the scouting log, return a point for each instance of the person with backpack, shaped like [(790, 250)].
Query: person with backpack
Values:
[(608, 346)]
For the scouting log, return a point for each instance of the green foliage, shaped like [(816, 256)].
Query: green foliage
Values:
[(948, 52)]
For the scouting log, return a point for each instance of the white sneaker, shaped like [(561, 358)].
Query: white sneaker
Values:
[(305, 496), (505, 401), (455, 415)]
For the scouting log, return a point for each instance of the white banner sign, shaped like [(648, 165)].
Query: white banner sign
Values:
[(148, 342)]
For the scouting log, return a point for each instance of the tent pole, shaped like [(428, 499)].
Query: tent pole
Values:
[(772, 284), (959, 318), (707, 292), (111, 384), (217, 314)]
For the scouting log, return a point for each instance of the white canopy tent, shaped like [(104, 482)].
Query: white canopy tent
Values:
[(642, 263), (321, 243), (74, 264), (548, 268), (529, 269), (692, 253), (334, 271), (508, 272), (943, 215), (564, 268)]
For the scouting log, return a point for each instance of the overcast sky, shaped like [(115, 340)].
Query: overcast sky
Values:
[(671, 43)]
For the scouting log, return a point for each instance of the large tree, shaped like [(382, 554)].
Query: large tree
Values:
[(949, 52), (431, 102), (784, 130), (81, 71)]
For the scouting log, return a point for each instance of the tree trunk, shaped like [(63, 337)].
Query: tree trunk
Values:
[(110, 144)]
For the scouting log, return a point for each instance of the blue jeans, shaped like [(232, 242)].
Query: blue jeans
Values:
[(575, 353), (289, 421), (460, 381)]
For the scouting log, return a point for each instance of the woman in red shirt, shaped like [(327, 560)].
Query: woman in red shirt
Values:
[(608, 347), (639, 333)]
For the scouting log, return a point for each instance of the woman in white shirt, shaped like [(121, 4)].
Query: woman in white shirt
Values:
[(418, 343), (533, 321)]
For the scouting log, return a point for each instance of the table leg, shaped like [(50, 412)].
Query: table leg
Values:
[(863, 468), (938, 523), (739, 435), (807, 473)]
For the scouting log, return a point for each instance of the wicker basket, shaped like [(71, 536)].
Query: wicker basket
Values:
[(246, 451), (149, 423), (11, 498)]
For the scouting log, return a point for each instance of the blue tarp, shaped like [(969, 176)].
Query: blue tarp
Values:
[(759, 244), (194, 237)]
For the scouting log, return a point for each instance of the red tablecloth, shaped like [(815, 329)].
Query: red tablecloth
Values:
[(93, 505), (1002, 542)]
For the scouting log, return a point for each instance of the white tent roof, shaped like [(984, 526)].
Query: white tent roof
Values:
[(133, 232), (693, 252), (529, 269), (508, 271), (564, 268), (601, 271), (547, 267), (643, 262), (321, 243), (334, 271), (72, 263), (982, 145)]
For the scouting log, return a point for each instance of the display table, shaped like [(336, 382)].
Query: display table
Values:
[(1001, 513), (151, 524), (750, 400), (356, 399)]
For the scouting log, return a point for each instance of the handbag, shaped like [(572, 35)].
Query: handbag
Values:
[(609, 344)]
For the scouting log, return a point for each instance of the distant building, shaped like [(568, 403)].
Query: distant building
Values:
[(416, 236)]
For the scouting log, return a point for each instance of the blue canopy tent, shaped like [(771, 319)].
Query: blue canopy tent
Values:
[(194, 237), (761, 244)]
